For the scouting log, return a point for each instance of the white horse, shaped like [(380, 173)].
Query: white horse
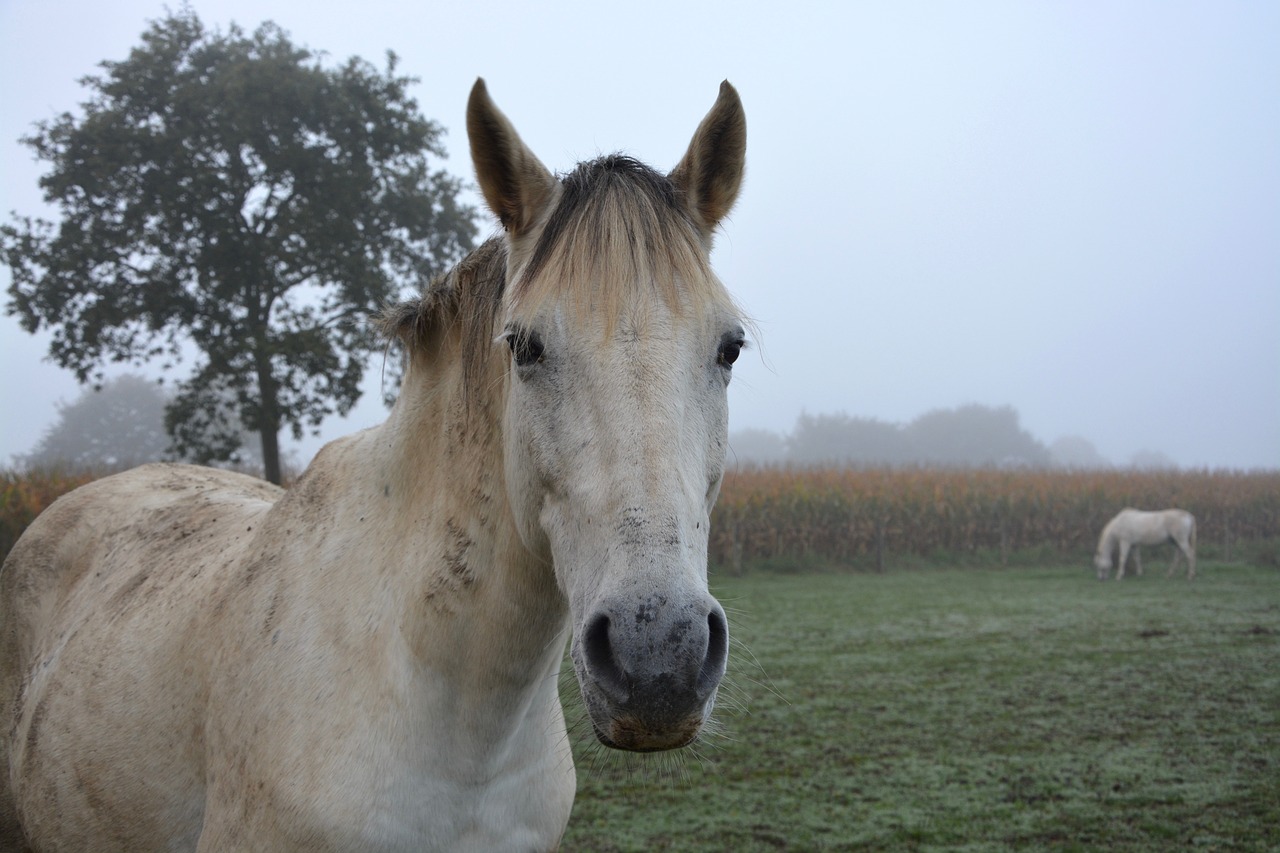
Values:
[(196, 660), (1134, 527)]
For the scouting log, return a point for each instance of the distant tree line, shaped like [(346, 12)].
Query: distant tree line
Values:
[(129, 421), (966, 436), (122, 424)]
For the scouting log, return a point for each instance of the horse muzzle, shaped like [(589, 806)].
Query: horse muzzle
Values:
[(649, 671)]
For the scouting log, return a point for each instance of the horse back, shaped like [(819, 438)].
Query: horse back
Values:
[(1143, 527), (111, 527), (112, 565)]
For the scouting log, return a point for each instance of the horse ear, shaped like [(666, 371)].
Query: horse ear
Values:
[(515, 184), (710, 173)]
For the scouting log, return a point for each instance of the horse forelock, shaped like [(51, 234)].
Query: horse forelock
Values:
[(619, 231), (619, 235)]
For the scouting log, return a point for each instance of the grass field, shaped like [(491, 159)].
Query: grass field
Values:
[(975, 709)]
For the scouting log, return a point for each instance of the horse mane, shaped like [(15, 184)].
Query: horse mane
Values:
[(1107, 539), (469, 294), (619, 221)]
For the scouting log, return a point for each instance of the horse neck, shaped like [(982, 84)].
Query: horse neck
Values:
[(429, 491)]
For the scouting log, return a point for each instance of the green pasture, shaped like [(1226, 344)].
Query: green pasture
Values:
[(966, 710)]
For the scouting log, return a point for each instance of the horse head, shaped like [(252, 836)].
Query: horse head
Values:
[(620, 344), (1102, 565)]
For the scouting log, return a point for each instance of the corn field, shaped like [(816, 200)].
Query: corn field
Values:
[(860, 516), (23, 496)]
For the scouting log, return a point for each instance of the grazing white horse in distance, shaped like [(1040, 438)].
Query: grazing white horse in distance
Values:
[(1134, 527), (193, 659)]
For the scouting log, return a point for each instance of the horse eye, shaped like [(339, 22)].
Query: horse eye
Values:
[(729, 352), (526, 347)]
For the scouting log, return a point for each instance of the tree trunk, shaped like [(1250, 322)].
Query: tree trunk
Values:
[(269, 427), (271, 455)]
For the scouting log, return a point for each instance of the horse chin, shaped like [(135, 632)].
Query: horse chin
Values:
[(633, 727), (632, 735)]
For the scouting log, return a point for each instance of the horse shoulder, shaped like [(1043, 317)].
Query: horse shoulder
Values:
[(101, 603)]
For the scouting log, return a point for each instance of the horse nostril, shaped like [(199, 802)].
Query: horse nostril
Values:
[(713, 664), (603, 665)]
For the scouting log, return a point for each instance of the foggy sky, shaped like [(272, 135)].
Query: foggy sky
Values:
[(1071, 209)]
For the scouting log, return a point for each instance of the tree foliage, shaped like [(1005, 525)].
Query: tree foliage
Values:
[(974, 435), (968, 436), (846, 440), (118, 425), (1074, 451), (233, 196)]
